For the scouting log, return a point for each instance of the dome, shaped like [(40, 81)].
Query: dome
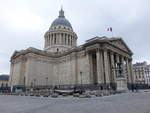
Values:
[(61, 20)]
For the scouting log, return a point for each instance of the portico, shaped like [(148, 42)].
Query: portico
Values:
[(103, 66)]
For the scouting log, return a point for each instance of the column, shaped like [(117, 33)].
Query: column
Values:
[(57, 41), (71, 40), (49, 39), (68, 40), (117, 58), (130, 67), (60, 39), (106, 67), (99, 66), (53, 38), (113, 67), (89, 59), (45, 43), (65, 39), (72, 44), (128, 70)]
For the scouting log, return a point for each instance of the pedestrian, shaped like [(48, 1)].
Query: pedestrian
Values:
[(132, 87)]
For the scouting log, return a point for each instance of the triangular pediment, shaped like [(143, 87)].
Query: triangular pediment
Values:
[(120, 44), (14, 54)]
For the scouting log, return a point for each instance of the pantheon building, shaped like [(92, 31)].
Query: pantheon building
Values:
[(99, 62)]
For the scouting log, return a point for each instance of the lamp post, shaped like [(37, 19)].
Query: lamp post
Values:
[(46, 81), (34, 82)]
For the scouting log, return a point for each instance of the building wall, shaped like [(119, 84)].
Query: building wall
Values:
[(83, 74), (16, 73), (141, 73), (61, 71), (3, 83), (92, 64), (65, 70)]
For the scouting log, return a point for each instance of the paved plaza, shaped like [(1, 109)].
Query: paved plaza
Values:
[(119, 103)]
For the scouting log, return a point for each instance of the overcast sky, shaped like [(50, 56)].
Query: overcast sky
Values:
[(24, 22)]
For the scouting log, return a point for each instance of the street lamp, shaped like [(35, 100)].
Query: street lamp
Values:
[(34, 82), (46, 81)]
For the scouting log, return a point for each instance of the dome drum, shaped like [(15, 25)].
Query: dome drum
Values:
[(60, 35)]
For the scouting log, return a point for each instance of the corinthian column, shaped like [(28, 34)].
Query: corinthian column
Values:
[(113, 67), (99, 66), (131, 79), (107, 78), (89, 60), (45, 43)]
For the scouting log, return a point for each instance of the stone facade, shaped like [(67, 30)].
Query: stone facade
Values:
[(62, 62), (141, 73), (4, 80)]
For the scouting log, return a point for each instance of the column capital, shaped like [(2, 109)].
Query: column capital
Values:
[(105, 49), (112, 53), (122, 58)]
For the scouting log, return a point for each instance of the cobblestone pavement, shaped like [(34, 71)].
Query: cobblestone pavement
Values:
[(120, 103)]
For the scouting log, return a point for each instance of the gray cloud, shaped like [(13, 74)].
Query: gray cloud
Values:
[(24, 22)]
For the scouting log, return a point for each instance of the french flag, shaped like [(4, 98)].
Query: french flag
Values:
[(109, 29)]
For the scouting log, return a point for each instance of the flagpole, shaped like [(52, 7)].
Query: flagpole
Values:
[(111, 31)]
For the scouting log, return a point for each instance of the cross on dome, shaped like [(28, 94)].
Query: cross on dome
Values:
[(61, 13)]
